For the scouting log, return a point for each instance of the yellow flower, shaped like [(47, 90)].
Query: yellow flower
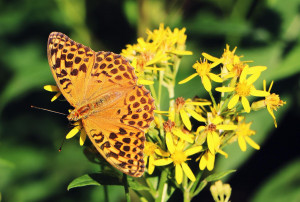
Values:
[(243, 89), (220, 192), (228, 58), (243, 132), (150, 152), (52, 88), (178, 157), (78, 127), (153, 55), (212, 131), (186, 109), (232, 65), (203, 70), (272, 102), (168, 41)]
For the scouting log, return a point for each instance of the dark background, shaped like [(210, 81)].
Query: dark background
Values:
[(267, 32)]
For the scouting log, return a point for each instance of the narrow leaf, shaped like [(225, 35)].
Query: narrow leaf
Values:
[(218, 176)]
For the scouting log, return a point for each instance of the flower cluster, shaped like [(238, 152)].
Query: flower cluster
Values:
[(216, 123)]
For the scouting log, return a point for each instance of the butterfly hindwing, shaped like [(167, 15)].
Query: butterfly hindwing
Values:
[(117, 130)]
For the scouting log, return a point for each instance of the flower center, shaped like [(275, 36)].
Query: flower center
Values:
[(244, 130), (179, 103), (274, 101), (242, 89), (211, 127), (202, 68), (178, 157), (238, 68), (149, 148)]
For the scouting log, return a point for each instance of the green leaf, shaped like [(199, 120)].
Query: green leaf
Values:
[(283, 186), (98, 179), (135, 185), (218, 176)]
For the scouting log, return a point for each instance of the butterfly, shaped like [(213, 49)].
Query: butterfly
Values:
[(102, 88)]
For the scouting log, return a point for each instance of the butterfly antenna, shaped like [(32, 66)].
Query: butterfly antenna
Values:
[(48, 110), (60, 148)]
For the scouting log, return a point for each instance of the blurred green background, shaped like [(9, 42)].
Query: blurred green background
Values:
[(266, 31)]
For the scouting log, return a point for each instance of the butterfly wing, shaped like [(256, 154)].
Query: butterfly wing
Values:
[(117, 131), (69, 62)]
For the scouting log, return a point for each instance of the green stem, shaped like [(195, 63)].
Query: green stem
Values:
[(162, 186), (213, 100), (126, 187), (105, 188), (194, 184), (186, 191), (152, 190)]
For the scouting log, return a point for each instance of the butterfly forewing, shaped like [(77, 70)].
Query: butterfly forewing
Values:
[(118, 110), (70, 62)]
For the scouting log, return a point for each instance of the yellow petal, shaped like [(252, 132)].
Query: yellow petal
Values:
[(73, 132), (272, 114), (252, 143), (270, 87), (145, 159), (242, 143), (210, 143), (193, 150), (188, 171), (56, 96), (203, 161), (233, 101), (211, 58), (199, 103), (145, 82), (215, 78), (161, 152), (206, 83), (200, 128), (188, 78), (253, 78), (169, 142), (211, 161), (178, 174), (244, 74), (51, 88), (82, 136), (181, 52), (223, 153), (185, 119), (259, 93), (163, 162), (255, 69), (216, 139), (151, 165), (195, 115), (246, 104), (182, 135), (217, 120), (225, 89)]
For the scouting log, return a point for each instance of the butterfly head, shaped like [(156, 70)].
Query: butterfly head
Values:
[(74, 115)]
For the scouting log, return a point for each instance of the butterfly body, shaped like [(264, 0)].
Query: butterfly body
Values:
[(102, 88), (84, 111)]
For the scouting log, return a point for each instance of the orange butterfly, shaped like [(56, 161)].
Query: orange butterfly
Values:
[(102, 87)]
